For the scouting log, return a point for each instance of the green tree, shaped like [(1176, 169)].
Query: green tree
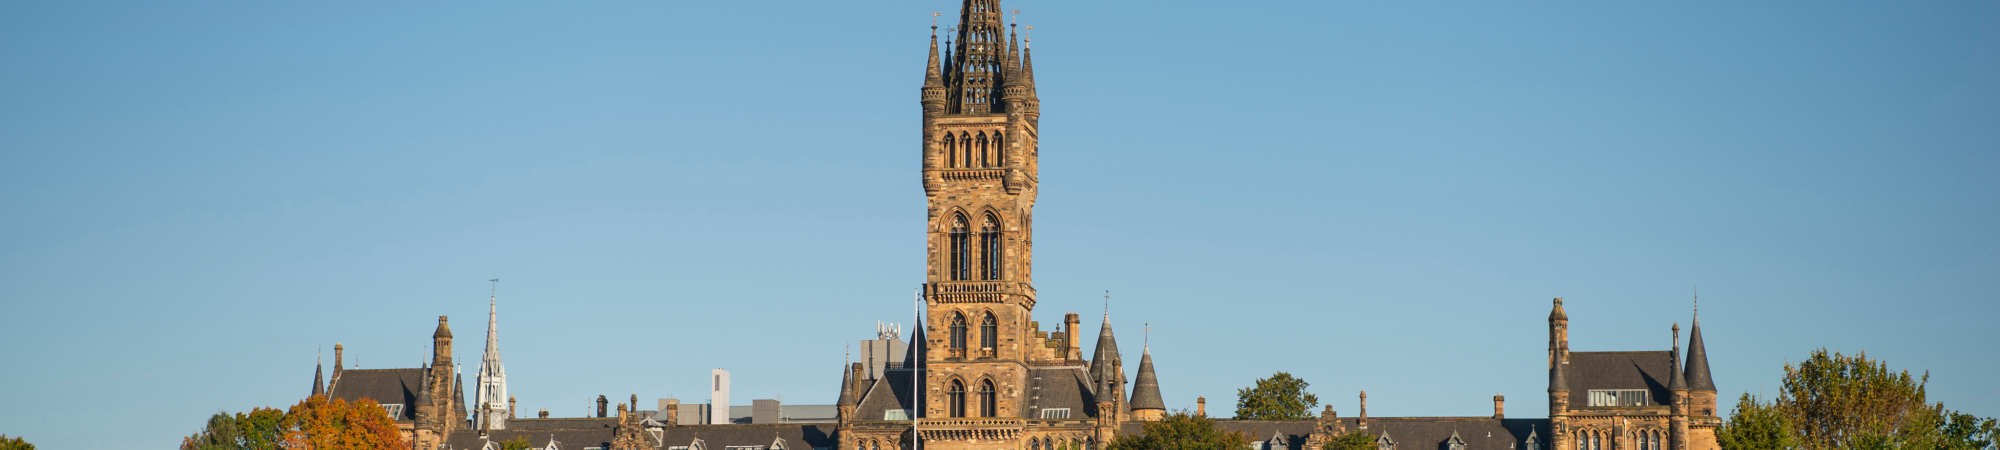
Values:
[(14, 443), (1756, 426), (1181, 431), (1840, 402), (221, 433), (517, 443), (1280, 397), (263, 429), (1351, 441)]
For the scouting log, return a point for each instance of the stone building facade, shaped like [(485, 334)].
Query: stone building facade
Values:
[(980, 373)]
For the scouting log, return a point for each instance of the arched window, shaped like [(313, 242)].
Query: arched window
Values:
[(957, 335), (983, 162), (989, 404), (950, 150), (1034, 444), (964, 150), (961, 257), (989, 249), (999, 150), (989, 335), (1595, 442), (957, 399)]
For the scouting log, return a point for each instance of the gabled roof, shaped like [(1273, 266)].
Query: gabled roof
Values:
[(1061, 387), (1650, 370), (719, 437), (1408, 433), (385, 386), (880, 395)]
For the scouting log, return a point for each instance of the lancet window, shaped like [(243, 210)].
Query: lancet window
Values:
[(961, 257), (958, 335), (989, 248), (989, 336), (956, 398), (989, 403)]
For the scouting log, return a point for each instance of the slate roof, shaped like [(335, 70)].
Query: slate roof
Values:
[(1697, 362), (385, 386), (1146, 392), (1650, 370), (566, 438), (880, 395), (1061, 387), (1409, 433), (719, 437)]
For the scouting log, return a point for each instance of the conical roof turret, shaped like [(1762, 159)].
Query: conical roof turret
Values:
[(1697, 361), (934, 71), (319, 384), (1104, 360), (847, 394), (1146, 393)]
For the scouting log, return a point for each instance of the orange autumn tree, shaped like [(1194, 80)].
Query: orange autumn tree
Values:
[(320, 424)]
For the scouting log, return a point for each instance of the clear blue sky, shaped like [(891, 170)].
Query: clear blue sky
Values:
[(1376, 196)]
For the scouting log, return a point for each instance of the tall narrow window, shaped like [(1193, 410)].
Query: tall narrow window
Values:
[(964, 150), (989, 249), (957, 399), (950, 150), (989, 404), (999, 150), (989, 336), (983, 162), (960, 258), (958, 334)]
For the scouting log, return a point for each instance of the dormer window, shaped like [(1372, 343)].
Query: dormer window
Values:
[(1618, 397)]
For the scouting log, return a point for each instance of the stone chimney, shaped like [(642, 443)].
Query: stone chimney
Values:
[(337, 366), (1499, 407), (1201, 406), (1364, 410), (673, 408), (1073, 332), (603, 406), (510, 406)]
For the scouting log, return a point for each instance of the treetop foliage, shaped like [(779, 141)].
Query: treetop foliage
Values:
[(315, 423), (1280, 397), (1840, 402), (14, 443), (1181, 430)]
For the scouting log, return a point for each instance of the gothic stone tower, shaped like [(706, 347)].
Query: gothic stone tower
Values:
[(979, 175)]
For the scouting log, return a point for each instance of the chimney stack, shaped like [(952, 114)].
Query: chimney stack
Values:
[(1073, 332), (1364, 410), (673, 408), (510, 406), (603, 406), (1201, 406), (1499, 407)]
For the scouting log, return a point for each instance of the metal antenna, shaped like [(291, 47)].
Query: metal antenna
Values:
[(1148, 339)]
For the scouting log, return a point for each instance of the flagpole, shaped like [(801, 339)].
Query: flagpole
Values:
[(916, 372)]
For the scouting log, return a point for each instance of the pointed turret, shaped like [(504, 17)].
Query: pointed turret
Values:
[(424, 391), (319, 384), (934, 72), (1104, 360), (1147, 404), (491, 387), (1697, 361), (847, 394)]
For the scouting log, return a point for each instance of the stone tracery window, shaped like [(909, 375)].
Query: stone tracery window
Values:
[(956, 398), (957, 335), (961, 257), (989, 335), (989, 405), (990, 248)]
